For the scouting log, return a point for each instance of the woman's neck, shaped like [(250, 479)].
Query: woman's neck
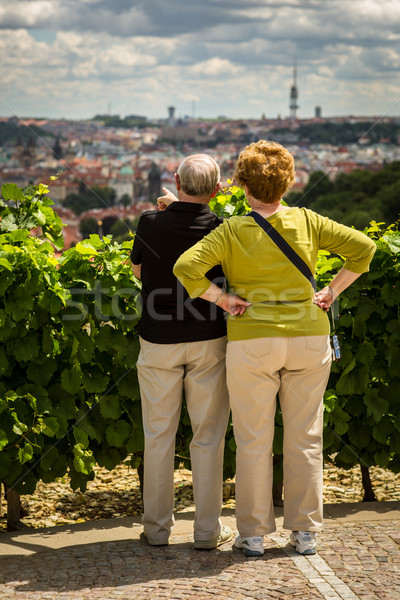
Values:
[(266, 210)]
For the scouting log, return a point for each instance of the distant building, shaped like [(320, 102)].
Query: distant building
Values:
[(318, 112), (180, 132), (123, 184), (293, 96), (154, 182), (26, 155), (57, 150), (171, 115)]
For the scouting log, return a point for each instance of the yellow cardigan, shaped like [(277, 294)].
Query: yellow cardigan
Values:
[(259, 272)]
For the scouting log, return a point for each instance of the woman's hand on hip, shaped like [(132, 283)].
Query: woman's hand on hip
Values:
[(324, 298), (234, 305)]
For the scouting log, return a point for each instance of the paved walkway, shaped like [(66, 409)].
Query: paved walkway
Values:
[(358, 558)]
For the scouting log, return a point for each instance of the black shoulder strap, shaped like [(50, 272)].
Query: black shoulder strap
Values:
[(284, 246)]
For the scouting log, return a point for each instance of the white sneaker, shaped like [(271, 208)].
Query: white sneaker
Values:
[(305, 542), (251, 546)]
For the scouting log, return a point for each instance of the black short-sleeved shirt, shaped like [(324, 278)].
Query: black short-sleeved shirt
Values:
[(169, 315)]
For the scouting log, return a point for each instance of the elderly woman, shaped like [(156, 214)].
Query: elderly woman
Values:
[(278, 333)]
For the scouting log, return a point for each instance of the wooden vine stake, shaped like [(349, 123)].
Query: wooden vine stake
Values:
[(13, 510)]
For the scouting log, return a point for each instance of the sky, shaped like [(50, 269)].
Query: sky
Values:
[(208, 58)]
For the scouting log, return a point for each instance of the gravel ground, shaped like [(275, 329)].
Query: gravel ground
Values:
[(116, 494)]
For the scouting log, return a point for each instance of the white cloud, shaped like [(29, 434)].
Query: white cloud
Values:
[(230, 57), (215, 67), (26, 14)]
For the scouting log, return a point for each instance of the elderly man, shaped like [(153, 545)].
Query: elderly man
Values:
[(183, 346)]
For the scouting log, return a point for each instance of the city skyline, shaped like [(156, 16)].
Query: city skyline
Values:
[(76, 59)]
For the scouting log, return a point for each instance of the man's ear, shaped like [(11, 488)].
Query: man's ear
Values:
[(177, 181), (217, 188)]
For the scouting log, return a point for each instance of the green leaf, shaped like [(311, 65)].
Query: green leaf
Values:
[(18, 427), (381, 458), (349, 367), (383, 430), (5, 264), (39, 393), (366, 353), (393, 326), (6, 280), (28, 221), (62, 426), (4, 364), (376, 405), (85, 347), (390, 294), (394, 444), (50, 344), (109, 337), (92, 428), (94, 381), (81, 437), (66, 402), (22, 303), (354, 379), (41, 373), (27, 349), (49, 457), (83, 459), (278, 440), (129, 386), (10, 191), (50, 426), (393, 241), (71, 380), (341, 427), (355, 406), (135, 442), (20, 235), (366, 306), (31, 401), (346, 320), (137, 460), (396, 422), (57, 241), (3, 439), (117, 434), (6, 466), (85, 248), (110, 407), (348, 455), (359, 434), (79, 480), (40, 216), (55, 304), (109, 458), (58, 469), (25, 453)]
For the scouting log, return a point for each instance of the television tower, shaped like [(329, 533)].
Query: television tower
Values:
[(294, 95)]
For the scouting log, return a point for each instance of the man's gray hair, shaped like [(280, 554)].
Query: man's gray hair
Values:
[(199, 175)]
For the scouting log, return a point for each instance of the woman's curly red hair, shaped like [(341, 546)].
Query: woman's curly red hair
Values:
[(267, 168)]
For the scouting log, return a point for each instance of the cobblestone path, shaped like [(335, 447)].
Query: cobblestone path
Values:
[(355, 561)]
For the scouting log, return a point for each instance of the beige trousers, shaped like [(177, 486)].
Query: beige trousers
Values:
[(164, 370), (297, 369)]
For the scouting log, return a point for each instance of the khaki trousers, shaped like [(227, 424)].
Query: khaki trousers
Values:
[(164, 370), (297, 369)]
